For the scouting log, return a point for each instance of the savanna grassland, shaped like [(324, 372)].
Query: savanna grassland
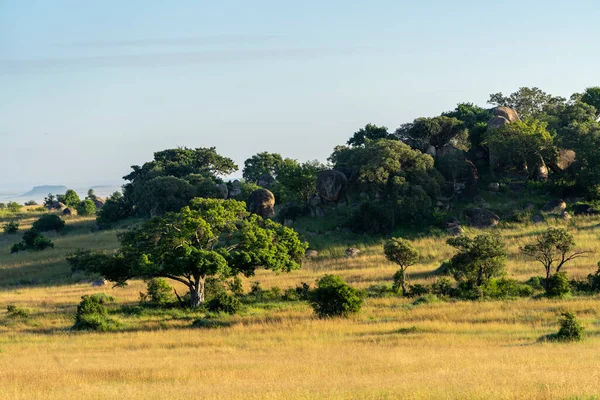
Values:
[(276, 349)]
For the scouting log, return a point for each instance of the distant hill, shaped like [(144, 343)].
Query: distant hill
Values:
[(39, 192)]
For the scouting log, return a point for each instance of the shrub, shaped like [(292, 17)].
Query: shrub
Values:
[(426, 299), (31, 203), (570, 329), (334, 298), (503, 288), (16, 311), (536, 282), (70, 198), (443, 287), (558, 285), (594, 280), (158, 292), (86, 207), (417, 290), (13, 207), (86, 260), (49, 222), (92, 314), (382, 290), (32, 240), (224, 302), (371, 218), (11, 228), (303, 291), (235, 286)]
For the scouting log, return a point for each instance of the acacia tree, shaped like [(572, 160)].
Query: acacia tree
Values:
[(401, 252), (209, 238), (478, 259), (260, 164), (553, 249), (369, 132)]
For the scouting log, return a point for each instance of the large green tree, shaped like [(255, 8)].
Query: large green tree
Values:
[(591, 96), (297, 182), (436, 132), (208, 238), (261, 164), (369, 132), (528, 101)]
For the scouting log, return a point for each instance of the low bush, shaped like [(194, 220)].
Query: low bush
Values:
[(11, 228), (224, 302), (13, 207), (158, 292), (49, 222), (443, 287), (503, 288), (92, 314), (558, 285), (16, 311), (381, 290), (335, 298), (417, 290), (32, 240), (426, 299), (570, 330), (371, 218), (594, 280), (86, 207)]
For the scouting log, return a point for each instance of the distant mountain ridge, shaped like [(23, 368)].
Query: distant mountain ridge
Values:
[(41, 191)]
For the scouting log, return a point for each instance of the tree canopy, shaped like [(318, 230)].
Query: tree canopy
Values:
[(369, 132), (260, 164)]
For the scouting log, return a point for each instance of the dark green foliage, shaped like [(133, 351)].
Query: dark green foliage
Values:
[(115, 209), (381, 290), (297, 182), (86, 207), (158, 292), (225, 303), (334, 298), (536, 283), (92, 314), (89, 261), (369, 132), (417, 290), (303, 291), (558, 285), (474, 118), (235, 286), (261, 164), (70, 198), (49, 200), (32, 240), (436, 132), (591, 96), (11, 228), (594, 280), (478, 259), (31, 203), (443, 287), (16, 311), (403, 253), (49, 222), (371, 217), (529, 102), (426, 299)]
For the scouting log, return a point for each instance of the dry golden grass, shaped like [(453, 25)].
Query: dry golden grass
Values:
[(392, 349)]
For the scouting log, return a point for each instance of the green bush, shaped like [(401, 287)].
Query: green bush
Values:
[(86, 260), (11, 228), (32, 240), (13, 206), (92, 314), (570, 329), (16, 311), (334, 298), (158, 292), (443, 287), (86, 207), (594, 280), (417, 290), (371, 218), (49, 222), (558, 285), (536, 283), (303, 291), (235, 286), (426, 299), (31, 203), (503, 288), (381, 290), (224, 302)]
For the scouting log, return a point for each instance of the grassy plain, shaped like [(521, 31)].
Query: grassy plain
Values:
[(392, 349)]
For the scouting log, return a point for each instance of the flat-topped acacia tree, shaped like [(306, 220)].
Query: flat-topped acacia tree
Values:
[(208, 238)]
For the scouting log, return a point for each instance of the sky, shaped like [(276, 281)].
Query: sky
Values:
[(88, 89)]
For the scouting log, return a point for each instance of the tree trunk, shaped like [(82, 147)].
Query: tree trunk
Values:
[(197, 293), (546, 286), (403, 283)]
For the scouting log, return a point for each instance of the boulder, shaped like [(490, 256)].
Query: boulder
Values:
[(99, 282), (554, 206), (236, 189), (311, 254), (99, 202), (455, 230), (352, 252), (497, 122), (222, 191), (265, 181), (537, 218), (482, 218), (564, 160), (451, 222), (69, 211), (471, 188), (431, 151), (314, 200), (565, 216), (494, 187), (541, 171), (330, 185), (509, 114), (262, 202), (584, 209)]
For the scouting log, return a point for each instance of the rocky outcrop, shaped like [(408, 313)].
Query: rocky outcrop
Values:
[(564, 159), (506, 113), (222, 191), (311, 254), (262, 202), (555, 206), (236, 189), (352, 252), (265, 181), (330, 185), (69, 211), (99, 202), (482, 218)]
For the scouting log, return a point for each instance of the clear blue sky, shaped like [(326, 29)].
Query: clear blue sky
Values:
[(89, 88)]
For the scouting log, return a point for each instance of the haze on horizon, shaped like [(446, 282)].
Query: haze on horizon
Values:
[(90, 89)]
